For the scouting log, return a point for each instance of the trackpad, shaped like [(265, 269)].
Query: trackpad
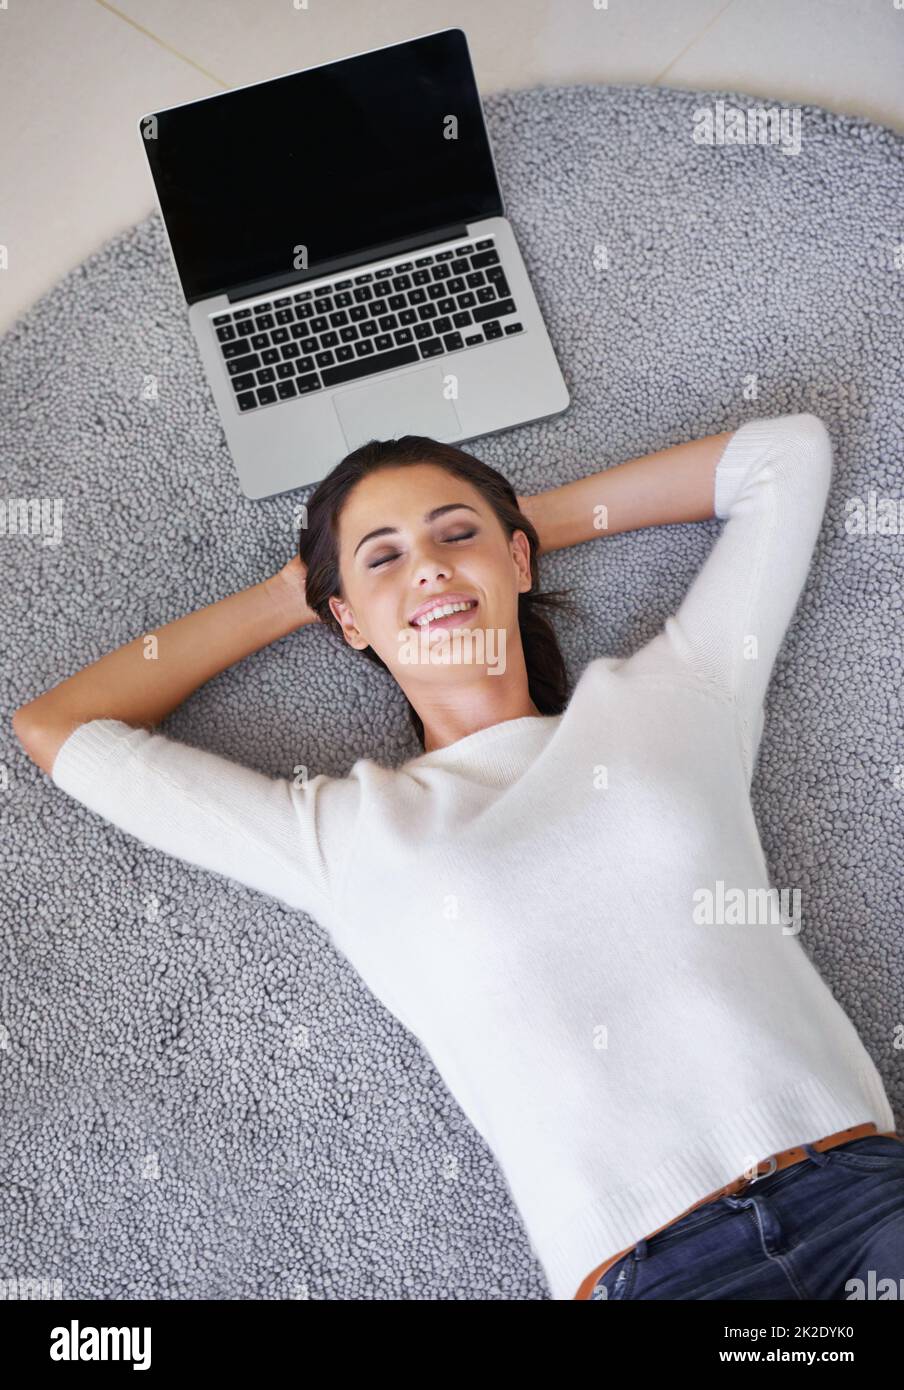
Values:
[(410, 404)]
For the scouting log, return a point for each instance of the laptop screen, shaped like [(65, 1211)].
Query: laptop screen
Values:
[(341, 160)]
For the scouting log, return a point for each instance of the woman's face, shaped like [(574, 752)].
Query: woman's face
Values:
[(409, 535)]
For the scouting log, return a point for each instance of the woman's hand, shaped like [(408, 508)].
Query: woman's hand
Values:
[(291, 580)]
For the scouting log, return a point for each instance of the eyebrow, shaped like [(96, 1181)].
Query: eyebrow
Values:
[(428, 517)]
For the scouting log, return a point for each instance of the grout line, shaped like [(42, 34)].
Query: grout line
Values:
[(169, 48), (691, 43)]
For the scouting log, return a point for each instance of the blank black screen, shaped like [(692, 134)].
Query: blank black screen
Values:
[(341, 159)]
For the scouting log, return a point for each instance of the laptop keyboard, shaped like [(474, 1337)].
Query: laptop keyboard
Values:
[(358, 325)]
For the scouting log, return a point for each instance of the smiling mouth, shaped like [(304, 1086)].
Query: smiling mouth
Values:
[(451, 620)]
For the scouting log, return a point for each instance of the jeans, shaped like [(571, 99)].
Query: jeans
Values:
[(802, 1232)]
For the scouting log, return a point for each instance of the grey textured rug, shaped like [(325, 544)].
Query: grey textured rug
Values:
[(200, 1099)]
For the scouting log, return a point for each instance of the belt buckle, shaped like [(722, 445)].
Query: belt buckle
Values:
[(757, 1176)]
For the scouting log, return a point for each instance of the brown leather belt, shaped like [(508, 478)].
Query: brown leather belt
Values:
[(776, 1162)]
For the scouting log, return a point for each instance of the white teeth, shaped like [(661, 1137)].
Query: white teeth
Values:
[(442, 612)]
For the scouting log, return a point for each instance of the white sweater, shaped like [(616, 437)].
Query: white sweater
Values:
[(525, 900)]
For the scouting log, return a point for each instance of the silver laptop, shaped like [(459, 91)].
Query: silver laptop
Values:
[(341, 241)]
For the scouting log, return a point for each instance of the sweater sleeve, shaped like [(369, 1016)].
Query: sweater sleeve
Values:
[(265, 832), (771, 486)]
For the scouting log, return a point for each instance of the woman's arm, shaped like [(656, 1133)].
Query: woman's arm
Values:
[(658, 489), (143, 682)]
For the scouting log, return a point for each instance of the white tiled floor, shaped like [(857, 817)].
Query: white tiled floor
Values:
[(76, 75)]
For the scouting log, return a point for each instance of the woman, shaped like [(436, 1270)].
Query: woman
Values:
[(565, 899)]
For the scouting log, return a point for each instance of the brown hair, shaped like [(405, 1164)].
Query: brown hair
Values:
[(318, 548)]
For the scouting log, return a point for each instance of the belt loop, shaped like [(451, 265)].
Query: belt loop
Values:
[(640, 1249), (816, 1154)]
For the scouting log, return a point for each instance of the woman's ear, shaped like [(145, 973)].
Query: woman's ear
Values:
[(346, 620), (522, 559)]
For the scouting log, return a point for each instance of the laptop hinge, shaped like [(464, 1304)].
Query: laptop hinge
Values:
[(454, 232)]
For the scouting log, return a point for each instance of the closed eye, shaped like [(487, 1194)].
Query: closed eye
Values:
[(386, 558)]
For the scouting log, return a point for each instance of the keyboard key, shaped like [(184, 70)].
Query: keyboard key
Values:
[(493, 329), (432, 347), (285, 370), (263, 322), (514, 328), (364, 348), (290, 350), (246, 401), (379, 362), (260, 340), (487, 311), (285, 390), (496, 277), (269, 356), (311, 382), (266, 395), (474, 339), (243, 364), (265, 376), (235, 349), (220, 318), (224, 334), (453, 341), (242, 314), (442, 325), (245, 328), (243, 383)]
